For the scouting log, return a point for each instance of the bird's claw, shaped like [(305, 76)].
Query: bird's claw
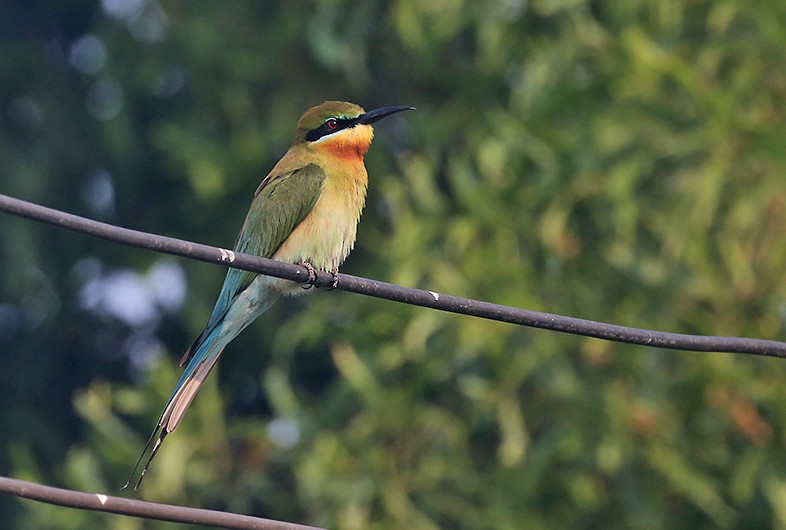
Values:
[(334, 283), (312, 275)]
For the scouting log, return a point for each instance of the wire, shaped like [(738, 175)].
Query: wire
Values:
[(136, 508), (419, 297), (345, 282)]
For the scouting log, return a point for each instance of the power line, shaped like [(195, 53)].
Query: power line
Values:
[(346, 282), (148, 510), (407, 295)]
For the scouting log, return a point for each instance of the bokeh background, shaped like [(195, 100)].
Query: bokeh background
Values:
[(619, 161)]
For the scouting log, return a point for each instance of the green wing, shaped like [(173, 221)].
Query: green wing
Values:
[(280, 203)]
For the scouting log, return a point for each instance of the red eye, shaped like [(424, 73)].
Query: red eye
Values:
[(331, 124)]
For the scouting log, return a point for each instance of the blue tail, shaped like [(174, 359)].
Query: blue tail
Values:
[(225, 324)]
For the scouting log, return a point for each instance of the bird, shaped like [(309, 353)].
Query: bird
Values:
[(305, 211)]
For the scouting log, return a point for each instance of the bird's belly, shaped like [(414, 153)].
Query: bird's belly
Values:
[(323, 239), (326, 236)]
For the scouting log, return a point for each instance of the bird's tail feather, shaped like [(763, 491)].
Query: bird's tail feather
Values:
[(186, 392), (201, 358), (161, 434), (196, 372)]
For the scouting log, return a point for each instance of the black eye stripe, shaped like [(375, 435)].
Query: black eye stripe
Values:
[(330, 126)]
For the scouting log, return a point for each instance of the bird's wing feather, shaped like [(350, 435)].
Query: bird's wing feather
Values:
[(280, 203)]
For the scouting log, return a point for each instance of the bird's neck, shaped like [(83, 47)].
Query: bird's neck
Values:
[(349, 145)]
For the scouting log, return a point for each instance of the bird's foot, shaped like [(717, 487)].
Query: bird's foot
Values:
[(334, 284), (312, 275)]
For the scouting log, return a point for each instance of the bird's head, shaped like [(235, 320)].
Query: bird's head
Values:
[(340, 127)]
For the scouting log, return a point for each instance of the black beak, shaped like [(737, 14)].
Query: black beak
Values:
[(382, 112)]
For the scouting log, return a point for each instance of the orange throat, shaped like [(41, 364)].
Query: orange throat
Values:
[(349, 144)]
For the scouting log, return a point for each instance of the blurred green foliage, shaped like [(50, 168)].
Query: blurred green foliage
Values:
[(620, 161)]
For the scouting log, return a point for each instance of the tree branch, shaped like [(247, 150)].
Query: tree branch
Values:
[(354, 284)]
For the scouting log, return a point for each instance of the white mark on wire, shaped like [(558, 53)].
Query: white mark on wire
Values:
[(102, 498), (435, 295), (227, 255)]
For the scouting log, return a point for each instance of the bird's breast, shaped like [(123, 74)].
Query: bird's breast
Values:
[(327, 234)]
